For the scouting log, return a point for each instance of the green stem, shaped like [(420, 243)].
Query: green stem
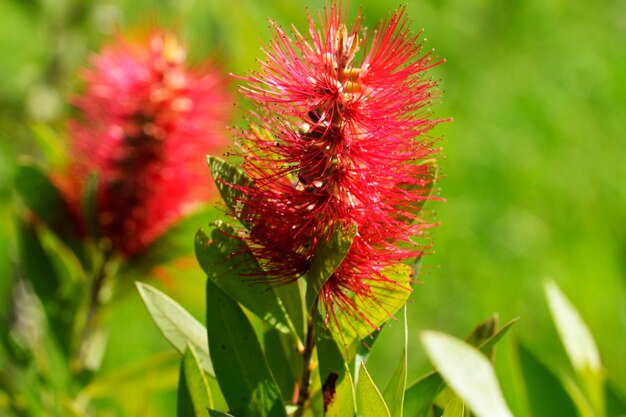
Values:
[(307, 363), (94, 304)]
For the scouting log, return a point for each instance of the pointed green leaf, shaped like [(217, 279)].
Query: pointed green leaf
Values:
[(177, 325), (52, 144), (283, 359), (194, 396), (455, 407), (488, 345), (327, 258), (421, 394), (540, 384), (228, 263), (615, 400), (224, 175), (483, 331), (467, 372), (215, 413), (89, 205), (240, 365), (576, 337), (579, 346), (394, 392), (337, 385), (378, 307), (44, 198), (369, 398)]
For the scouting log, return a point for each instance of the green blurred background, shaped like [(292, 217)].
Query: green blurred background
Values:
[(534, 174)]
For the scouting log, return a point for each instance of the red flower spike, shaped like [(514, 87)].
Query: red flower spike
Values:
[(146, 124), (340, 137)]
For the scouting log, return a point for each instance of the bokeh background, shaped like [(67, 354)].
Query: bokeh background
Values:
[(534, 174)]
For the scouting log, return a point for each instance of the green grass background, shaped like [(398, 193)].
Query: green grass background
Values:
[(534, 174)]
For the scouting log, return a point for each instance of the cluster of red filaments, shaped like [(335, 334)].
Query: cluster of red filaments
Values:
[(339, 138), (147, 122)]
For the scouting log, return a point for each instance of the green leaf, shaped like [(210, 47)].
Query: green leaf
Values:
[(363, 350), (540, 384), (455, 407), (394, 392), (378, 307), (149, 373), (175, 242), (483, 331), (421, 394), (576, 337), (487, 346), (369, 398), (228, 263), (338, 393), (38, 266), (337, 384), (89, 205), (51, 144), (467, 372), (194, 396), (615, 401), (240, 366), (579, 346), (177, 325), (283, 360), (427, 184), (225, 174), (215, 413), (328, 256), (44, 199)]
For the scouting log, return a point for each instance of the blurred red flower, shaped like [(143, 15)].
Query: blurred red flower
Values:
[(339, 137), (146, 123)]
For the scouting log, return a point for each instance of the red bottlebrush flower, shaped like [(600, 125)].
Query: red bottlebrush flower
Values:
[(146, 124), (339, 138)]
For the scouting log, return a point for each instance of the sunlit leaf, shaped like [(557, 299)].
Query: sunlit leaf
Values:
[(426, 184), (455, 407), (337, 385), (576, 337), (215, 413), (224, 175), (394, 392), (159, 371), (467, 372), (385, 301), (369, 398), (579, 346), (328, 256), (227, 261), (240, 365), (177, 325), (51, 144), (194, 397)]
